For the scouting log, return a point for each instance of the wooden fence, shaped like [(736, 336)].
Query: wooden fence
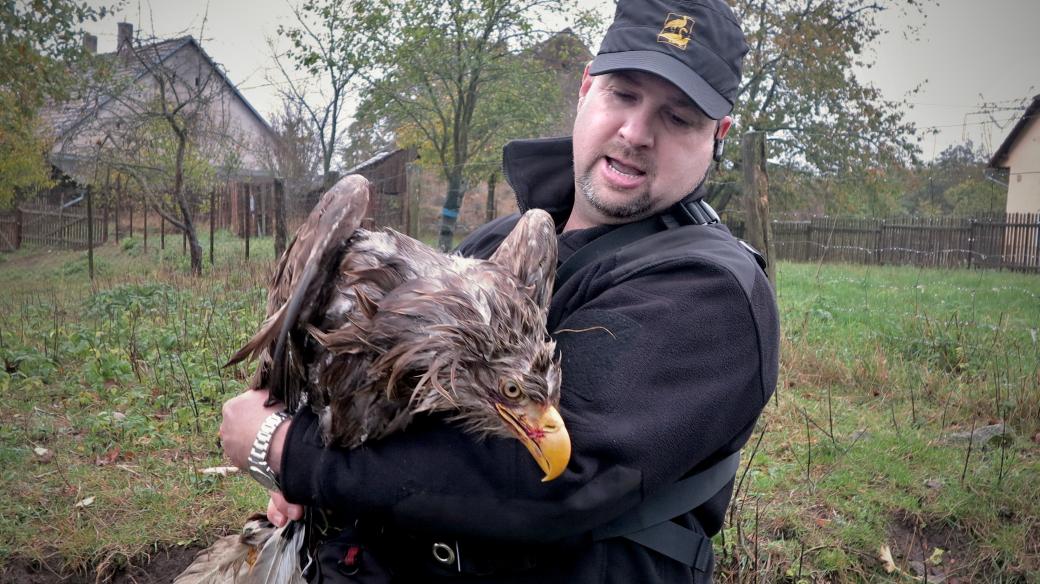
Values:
[(1004, 242), (10, 231), (56, 227)]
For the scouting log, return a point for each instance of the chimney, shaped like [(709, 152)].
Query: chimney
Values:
[(125, 36), (89, 43)]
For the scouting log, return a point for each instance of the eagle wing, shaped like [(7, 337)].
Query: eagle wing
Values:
[(298, 285)]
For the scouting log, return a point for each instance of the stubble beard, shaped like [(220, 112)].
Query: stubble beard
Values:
[(638, 205), (627, 209)]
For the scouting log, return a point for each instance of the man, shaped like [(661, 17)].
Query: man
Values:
[(669, 343)]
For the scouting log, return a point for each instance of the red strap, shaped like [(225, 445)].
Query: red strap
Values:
[(350, 559)]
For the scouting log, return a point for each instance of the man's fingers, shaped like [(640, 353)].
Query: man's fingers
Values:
[(274, 515), (285, 508)]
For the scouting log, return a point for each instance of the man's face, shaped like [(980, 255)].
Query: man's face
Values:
[(640, 145)]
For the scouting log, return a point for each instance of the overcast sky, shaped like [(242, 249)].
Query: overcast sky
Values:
[(969, 53)]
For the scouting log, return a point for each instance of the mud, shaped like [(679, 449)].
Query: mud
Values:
[(161, 567)]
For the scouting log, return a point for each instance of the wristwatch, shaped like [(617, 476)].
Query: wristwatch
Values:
[(258, 467)]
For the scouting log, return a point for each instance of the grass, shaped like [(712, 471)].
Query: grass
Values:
[(119, 384), (881, 367), (110, 394)]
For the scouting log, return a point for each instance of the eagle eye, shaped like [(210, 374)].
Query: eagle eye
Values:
[(510, 389)]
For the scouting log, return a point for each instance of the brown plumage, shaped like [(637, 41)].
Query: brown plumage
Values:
[(369, 328)]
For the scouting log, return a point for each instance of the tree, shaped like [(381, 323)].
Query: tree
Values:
[(800, 86), (293, 156), (457, 80), (39, 42), (330, 43), (171, 133), (955, 183)]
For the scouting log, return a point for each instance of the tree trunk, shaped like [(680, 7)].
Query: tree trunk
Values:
[(195, 250), (450, 212), (280, 228), (758, 231)]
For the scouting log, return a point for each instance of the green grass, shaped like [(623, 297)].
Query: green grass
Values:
[(880, 365), (121, 381)]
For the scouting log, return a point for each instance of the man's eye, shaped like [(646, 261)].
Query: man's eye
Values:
[(679, 121), (624, 96)]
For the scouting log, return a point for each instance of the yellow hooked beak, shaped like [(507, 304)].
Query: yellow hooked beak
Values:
[(545, 438)]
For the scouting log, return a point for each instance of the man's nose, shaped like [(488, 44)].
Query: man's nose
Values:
[(638, 129)]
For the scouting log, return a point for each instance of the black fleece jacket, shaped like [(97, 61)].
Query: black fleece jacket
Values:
[(670, 351)]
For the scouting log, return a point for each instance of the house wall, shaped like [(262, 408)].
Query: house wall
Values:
[(1024, 164), (229, 116), (230, 123)]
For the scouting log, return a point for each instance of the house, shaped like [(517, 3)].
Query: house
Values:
[(1020, 155), (390, 203), (102, 131)]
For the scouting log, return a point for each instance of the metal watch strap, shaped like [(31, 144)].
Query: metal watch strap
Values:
[(259, 469)]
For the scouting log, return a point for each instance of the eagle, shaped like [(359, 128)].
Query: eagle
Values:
[(372, 328)]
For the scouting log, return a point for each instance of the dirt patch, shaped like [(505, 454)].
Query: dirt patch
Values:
[(941, 553), (161, 567)]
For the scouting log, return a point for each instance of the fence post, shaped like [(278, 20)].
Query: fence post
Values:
[(1036, 238), (247, 214), (144, 229), (808, 240), (212, 200), (879, 242), (281, 231), (130, 208), (758, 230), (971, 242), (119, 202), (412, 172), (489, 212), (90, 232)]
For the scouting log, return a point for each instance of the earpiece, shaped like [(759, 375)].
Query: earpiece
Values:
[(720, 143), (716, 154)]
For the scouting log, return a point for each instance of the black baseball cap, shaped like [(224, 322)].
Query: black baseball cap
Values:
[(697, 45)]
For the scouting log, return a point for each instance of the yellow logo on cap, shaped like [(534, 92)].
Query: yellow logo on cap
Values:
[(676, 30)]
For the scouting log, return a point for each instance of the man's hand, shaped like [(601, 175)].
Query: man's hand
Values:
[(280, 511), (243, 416)]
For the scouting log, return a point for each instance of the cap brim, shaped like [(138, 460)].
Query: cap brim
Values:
[(671, 70)]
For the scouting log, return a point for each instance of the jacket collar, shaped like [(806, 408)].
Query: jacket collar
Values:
[(541, 173)]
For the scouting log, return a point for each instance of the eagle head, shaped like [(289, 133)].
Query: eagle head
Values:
[(481, 352)]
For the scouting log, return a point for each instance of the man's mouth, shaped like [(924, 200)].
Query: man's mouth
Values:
[(623, 169)]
